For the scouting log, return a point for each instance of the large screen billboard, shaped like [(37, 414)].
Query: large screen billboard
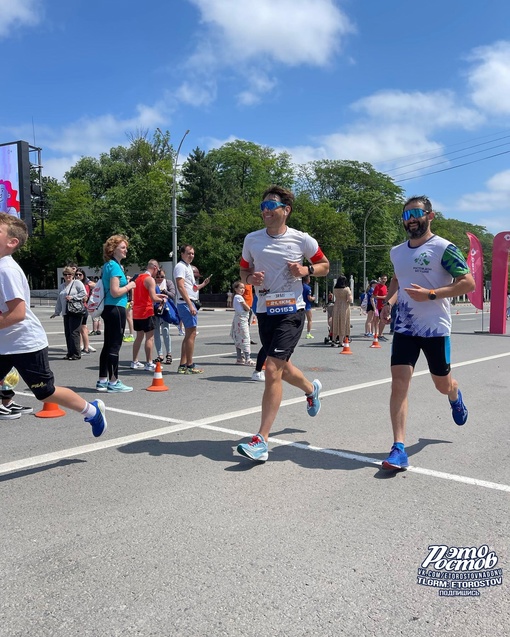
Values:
[(15, 181)]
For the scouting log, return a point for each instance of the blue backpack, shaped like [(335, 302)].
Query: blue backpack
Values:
[(169, 313)]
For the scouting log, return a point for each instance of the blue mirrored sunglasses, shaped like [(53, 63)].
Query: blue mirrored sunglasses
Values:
[(271, 205), (414, 212)]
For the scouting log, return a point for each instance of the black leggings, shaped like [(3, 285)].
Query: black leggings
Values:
[(114, 318)]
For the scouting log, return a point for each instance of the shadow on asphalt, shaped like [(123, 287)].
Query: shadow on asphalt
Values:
[(34, 470), (222, 451)]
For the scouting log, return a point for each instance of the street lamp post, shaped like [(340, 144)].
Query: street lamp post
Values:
[(365, 247), (175, 247)]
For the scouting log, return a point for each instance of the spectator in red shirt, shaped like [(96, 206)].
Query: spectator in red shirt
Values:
[(380, 292), (144, 297)]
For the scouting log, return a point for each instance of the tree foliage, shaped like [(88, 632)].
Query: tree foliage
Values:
[(349, 207)]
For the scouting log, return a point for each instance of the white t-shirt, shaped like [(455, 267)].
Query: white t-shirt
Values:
[(238, 305), (272, 255), (184, 271), (432, 265), (27, 335)]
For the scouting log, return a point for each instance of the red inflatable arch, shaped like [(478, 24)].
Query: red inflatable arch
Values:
[(499, 285)]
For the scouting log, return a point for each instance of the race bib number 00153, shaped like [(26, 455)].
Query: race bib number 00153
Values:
[(280, 303)]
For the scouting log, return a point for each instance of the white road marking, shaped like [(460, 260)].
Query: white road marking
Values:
[(55, 456), (206, 423)]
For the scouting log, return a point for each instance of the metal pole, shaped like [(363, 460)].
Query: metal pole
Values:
[(365, 248), (175, 247)]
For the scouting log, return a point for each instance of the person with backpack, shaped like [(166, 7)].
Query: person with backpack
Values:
[(86, 348), (71, 296), (116, 288)]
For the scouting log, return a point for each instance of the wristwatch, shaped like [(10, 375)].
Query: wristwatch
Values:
[(432, 295), (311, 269)]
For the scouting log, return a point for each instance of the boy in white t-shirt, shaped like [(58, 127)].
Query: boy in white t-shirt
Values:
[(23, 342)]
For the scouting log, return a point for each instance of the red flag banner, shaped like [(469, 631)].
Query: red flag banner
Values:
[(475, 263)]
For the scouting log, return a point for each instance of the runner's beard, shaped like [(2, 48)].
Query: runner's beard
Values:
[(419, 231)]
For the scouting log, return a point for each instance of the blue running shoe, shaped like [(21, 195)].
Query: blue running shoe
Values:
[(257, 449), (102, 385), (313, 402), (459, 411), (118, 387), (98, 422), (396, 460)]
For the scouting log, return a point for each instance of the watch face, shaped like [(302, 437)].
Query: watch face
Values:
[(432, 296)]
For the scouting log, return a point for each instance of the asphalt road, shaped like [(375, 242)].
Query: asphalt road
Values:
[(160, 528)]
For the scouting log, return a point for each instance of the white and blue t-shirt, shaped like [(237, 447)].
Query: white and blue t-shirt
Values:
[(432, 265)]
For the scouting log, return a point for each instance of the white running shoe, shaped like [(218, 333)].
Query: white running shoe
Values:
[(259, 376), (137, 365)]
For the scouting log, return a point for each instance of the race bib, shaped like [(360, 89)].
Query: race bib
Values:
[(280, 303)]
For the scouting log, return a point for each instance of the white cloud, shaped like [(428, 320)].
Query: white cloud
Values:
[(394, 132), (250, 38), (18, 13), (197, 93), (259, 85), (495, 197), (58, 166), (489, 80), (287, 31), (426, 111)]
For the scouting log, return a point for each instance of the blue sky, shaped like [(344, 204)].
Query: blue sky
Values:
[(409, 87)]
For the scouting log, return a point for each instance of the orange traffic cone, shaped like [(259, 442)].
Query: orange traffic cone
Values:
[(157, 380), (376, 341), (50, 410), (345, 345)]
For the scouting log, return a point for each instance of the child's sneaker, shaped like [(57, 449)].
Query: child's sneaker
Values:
[(181, 369), (149, 367), (313, 402), (257, 449), (459, 411), (396, 460), (102, 385), (98, 422), (5, 414), (137, 365), (16, 408), (310, 335)]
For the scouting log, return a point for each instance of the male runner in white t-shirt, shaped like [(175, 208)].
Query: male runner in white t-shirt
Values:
[(272, 261), (429, 270)]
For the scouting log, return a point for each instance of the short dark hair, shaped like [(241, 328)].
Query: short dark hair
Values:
[(286, 196), (419, 199), (182, 249)]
